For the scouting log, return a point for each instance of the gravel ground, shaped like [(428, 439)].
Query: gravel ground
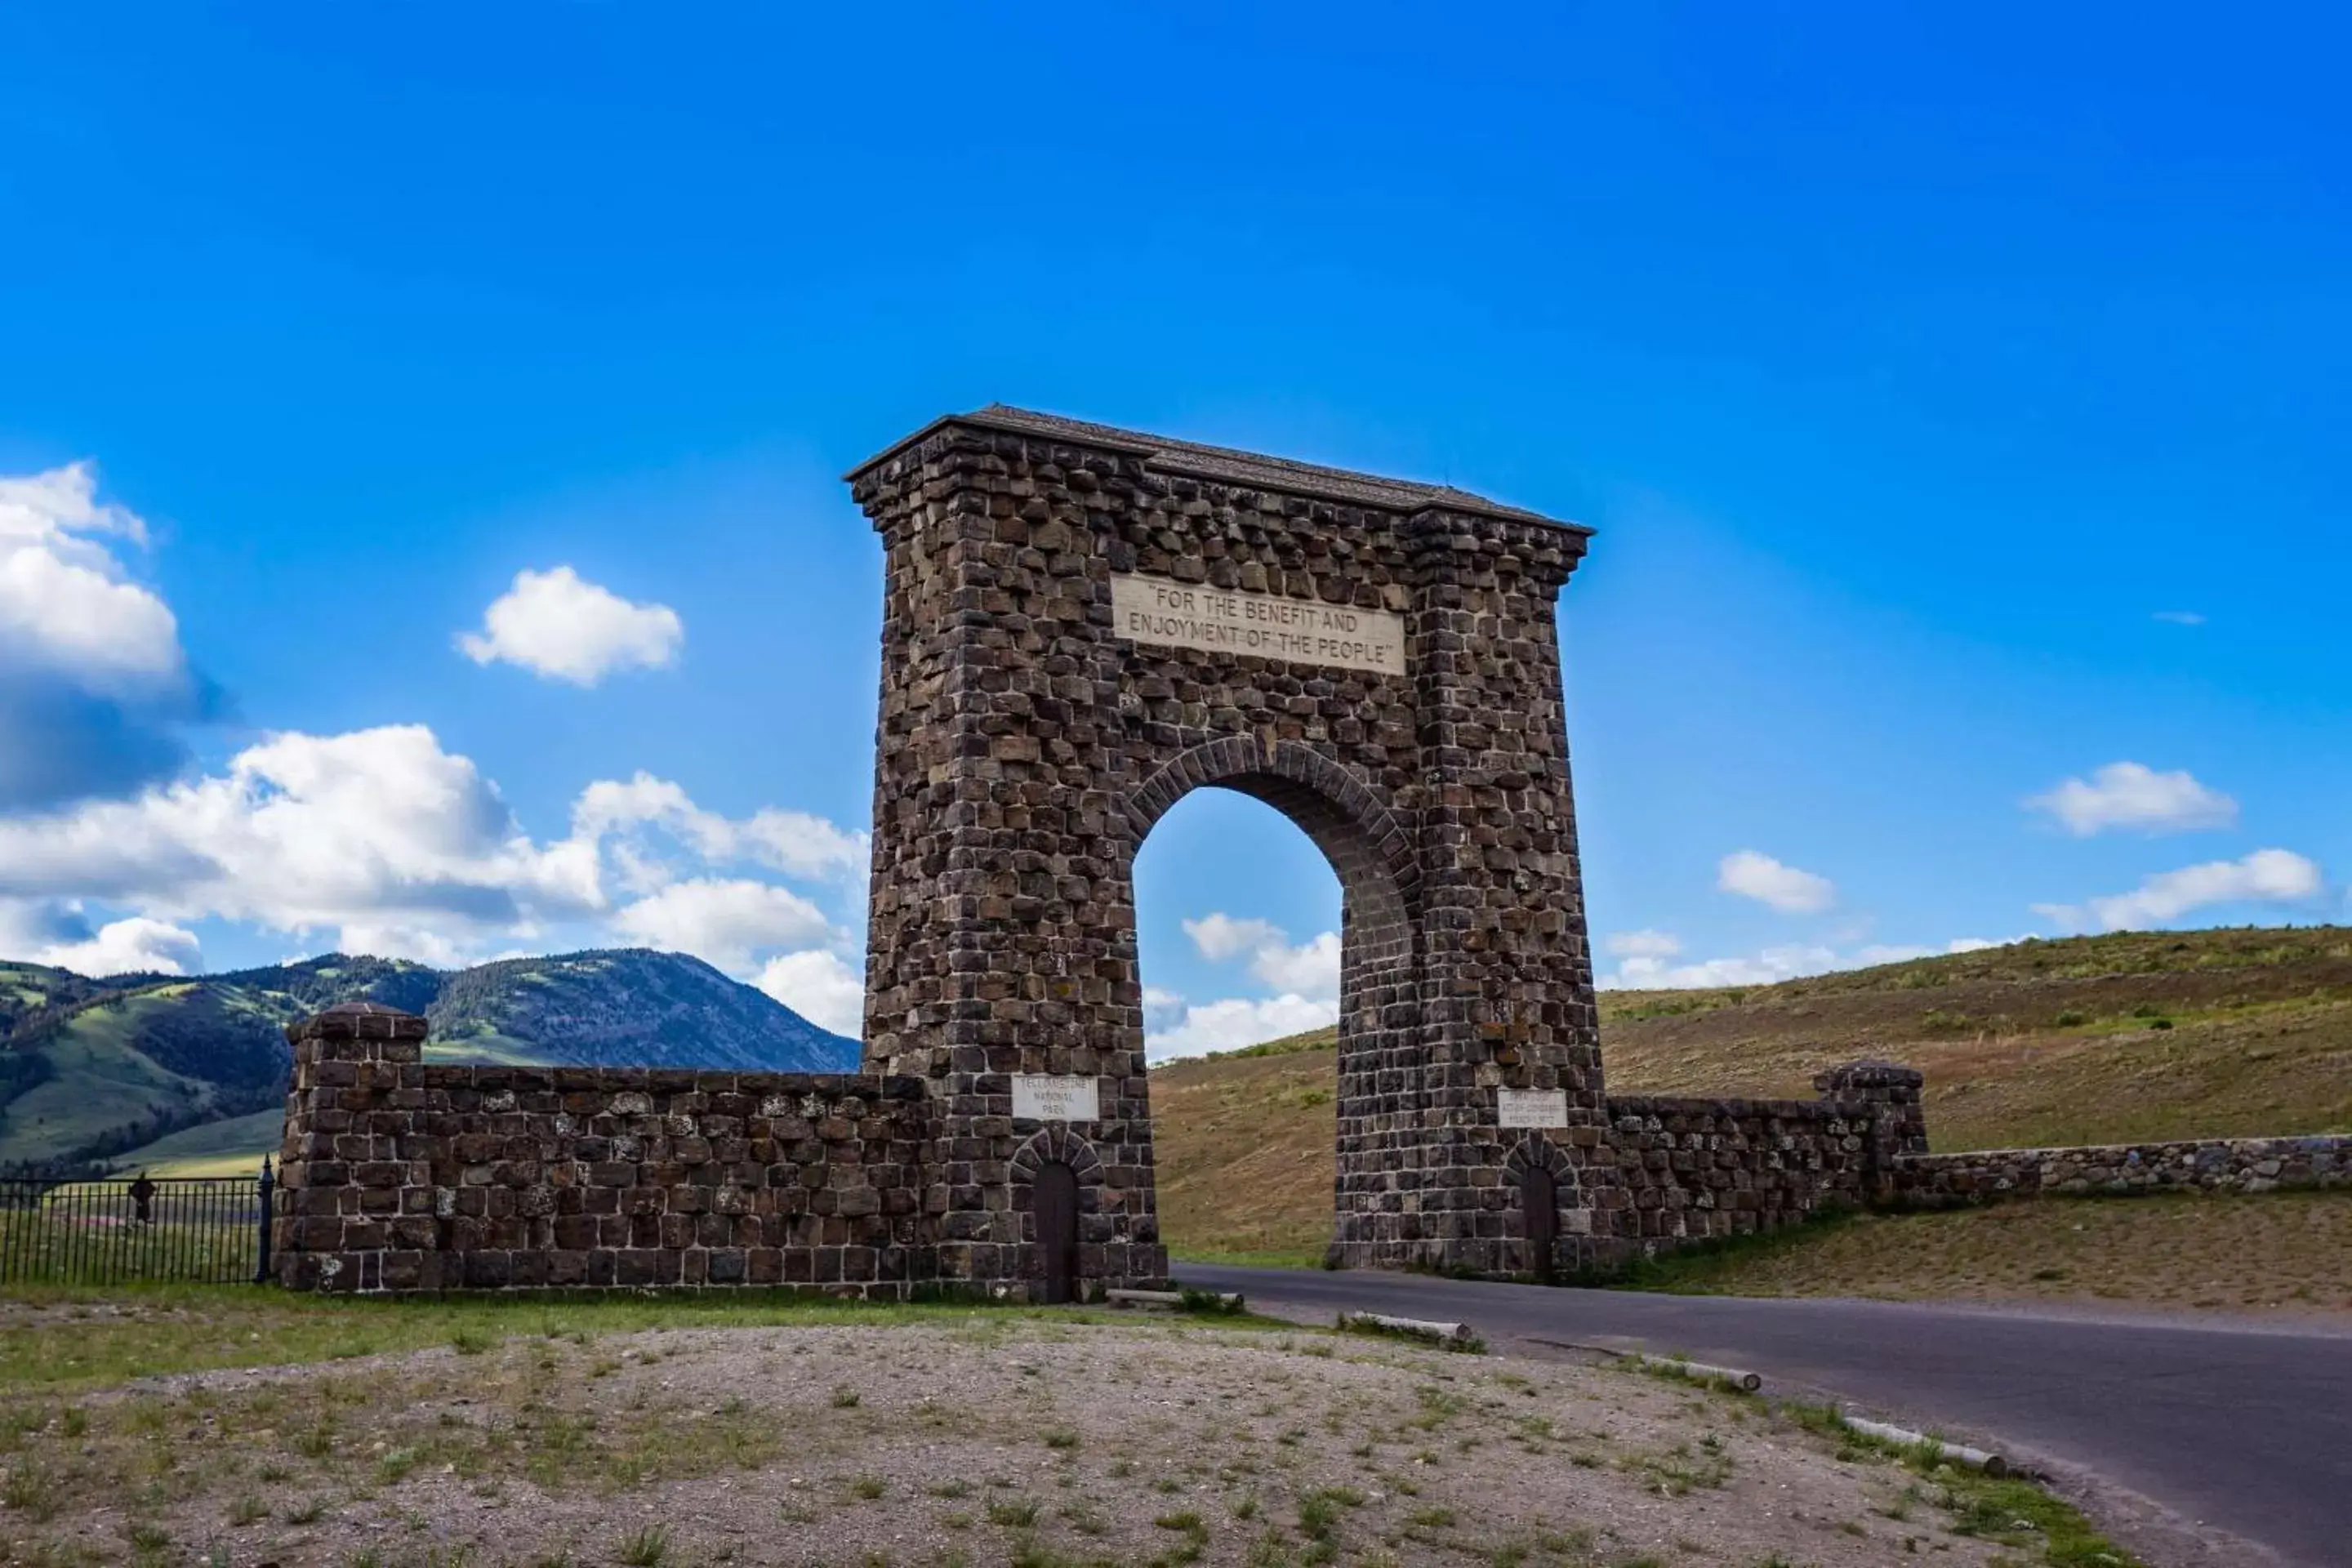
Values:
[(995, 1441)]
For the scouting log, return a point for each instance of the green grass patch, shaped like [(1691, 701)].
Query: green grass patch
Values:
[(231, 1147), (2011, 1511), (151, 1331)]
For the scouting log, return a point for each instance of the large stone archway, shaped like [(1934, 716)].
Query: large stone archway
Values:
[(1082, 625)]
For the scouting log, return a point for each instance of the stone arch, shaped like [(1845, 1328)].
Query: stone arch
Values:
[(1056, 1141), (1536, 1150), (1081, 625), (1328, 802), (1370, 852)]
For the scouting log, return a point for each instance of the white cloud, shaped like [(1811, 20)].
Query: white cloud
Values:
[(63, 598), (1311, 968), (127, 946), (793, 842), (820, 987), (420, 942), (1221, 936), (92, 678), (801, 844), (1235, 1022), (558, 624), (2131, 794), (1768, 882), (1774, 963), (376, 840), (371, 828), (1652, 971), (379, 841), (1161, 1009), (2181, 617), (1901, 952), (2264, 876), (726, 923), (1641, 944)]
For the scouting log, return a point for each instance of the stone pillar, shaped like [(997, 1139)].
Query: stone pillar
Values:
[(340, 1182), (1507, 1000), (1898, 1122), (1002, 937)]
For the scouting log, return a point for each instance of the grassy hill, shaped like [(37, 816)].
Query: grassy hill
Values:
[(2087, 1040), (146, 1070), (30, 990), (233, 1147)]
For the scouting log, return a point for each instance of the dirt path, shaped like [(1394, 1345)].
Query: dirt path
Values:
[(993, 1442)]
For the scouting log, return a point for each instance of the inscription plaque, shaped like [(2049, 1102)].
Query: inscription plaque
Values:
[(1160, 610), (1533, 1107), (1055, 1097)]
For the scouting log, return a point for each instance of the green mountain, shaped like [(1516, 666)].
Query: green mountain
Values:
[(626, 1006), (29, 991), (98, 1071)]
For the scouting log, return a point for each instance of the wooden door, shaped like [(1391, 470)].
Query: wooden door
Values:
[(1540, 1214), (1056, 1207)]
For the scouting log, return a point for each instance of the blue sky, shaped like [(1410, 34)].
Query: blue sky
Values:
[(1960, 393)]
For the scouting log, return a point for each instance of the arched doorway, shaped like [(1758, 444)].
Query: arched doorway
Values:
[(1056, 1195), (1539, 1218)]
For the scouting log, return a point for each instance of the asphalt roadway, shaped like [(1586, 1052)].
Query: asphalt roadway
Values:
[(2235, 1427)]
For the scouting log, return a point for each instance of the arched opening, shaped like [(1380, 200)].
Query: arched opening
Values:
[(1284, 928), (1056, 1197)]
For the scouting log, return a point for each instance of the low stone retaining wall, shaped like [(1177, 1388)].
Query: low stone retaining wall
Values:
[(1692, 1169), (1671, 1170), (400, 1175), (2215, 1166)]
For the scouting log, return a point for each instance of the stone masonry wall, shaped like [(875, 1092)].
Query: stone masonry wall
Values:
[(1690, 1170), (1024, 748), (399, 1175), (2215, 1166), (1669, 1171)]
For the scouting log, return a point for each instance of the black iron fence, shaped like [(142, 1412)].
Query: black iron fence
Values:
[(210, 1230)]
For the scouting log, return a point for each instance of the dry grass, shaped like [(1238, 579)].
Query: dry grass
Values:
[(1245, 1155), (2092, 1040), (990, 1438), (2287, 1253), (2097, 1041)]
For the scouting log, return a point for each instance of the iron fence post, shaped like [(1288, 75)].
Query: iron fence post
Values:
[(268, 1202)]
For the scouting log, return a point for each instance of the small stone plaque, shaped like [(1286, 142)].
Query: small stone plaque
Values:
[(1533, 1107), (1150, 609), (1055, 1097)]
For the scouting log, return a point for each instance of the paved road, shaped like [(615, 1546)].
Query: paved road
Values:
[(2240, 1427)]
